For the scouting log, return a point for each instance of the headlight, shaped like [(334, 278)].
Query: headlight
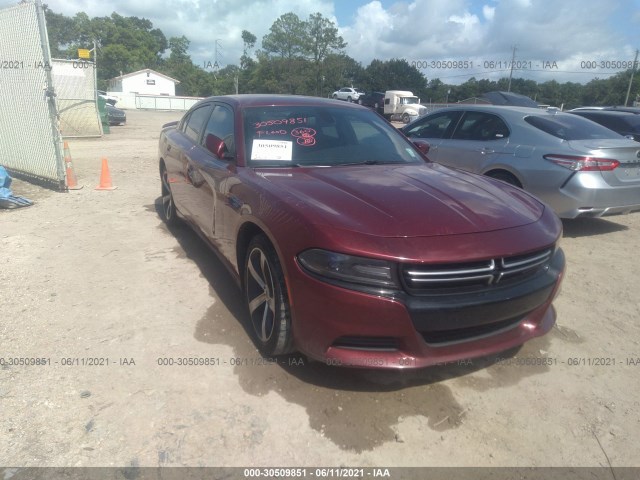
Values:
[(348, 268)]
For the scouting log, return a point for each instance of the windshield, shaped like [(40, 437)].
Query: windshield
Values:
[(409, 100), (570, 127), (321, 136)]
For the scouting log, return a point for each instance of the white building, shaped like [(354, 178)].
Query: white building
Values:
[(144, 82)]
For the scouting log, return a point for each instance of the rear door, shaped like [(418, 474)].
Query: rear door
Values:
[(212, 201), (479, 139), (182, 186), (175, 146)]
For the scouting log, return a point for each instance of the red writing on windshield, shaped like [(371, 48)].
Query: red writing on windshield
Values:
[(270, 132), (304, 136), (283, 121)]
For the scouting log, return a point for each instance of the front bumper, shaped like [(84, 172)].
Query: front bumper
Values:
[(351, 328)]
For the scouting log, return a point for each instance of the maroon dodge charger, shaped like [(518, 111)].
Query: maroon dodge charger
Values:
[(348, 244)]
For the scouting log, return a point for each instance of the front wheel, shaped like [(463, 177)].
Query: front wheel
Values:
[(406, 118), (266, 296), (169, 214)]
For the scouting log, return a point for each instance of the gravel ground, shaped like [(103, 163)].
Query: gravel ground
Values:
[(95, 277)]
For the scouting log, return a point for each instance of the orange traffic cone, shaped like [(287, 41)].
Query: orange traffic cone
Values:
[(105, 177), (72, 181)]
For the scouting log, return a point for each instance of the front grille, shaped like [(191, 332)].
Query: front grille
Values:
[(367, 343), (454, 277)]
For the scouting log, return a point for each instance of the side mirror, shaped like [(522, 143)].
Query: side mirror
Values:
[(422, 145), (215, 145)]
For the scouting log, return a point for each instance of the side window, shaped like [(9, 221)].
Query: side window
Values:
[(481, 126), (435, 126), (220, 124), (195, 122)]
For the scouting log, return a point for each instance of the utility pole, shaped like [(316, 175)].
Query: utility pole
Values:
[(513, 58), (217, 54), (633, 70)]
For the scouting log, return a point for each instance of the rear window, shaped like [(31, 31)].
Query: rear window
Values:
[(570, 127), (321, 136)]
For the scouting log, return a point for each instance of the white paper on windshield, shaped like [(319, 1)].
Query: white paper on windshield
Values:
[(272, 150)]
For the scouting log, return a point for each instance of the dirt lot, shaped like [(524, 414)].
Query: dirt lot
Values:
[(96, 275)]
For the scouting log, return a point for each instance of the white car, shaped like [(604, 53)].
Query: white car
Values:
[(349, 94), (111, 100)]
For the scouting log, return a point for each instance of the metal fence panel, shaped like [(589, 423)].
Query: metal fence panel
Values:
[(163, 102), (29, 139), (75, 84)]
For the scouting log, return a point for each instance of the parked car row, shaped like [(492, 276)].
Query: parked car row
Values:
[(398, 105), (349, 245), (578, 167)]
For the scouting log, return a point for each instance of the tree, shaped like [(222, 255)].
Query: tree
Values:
[(395, 74), (323, 39), (286, 38), (247, 64), (249, 40)]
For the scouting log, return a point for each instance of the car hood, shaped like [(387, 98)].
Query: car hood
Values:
[(403, 201)]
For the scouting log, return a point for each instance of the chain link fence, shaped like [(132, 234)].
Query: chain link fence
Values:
[(75, 84), (30, 144)]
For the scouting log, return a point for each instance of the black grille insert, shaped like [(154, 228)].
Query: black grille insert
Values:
[(384, 344), (469, 333)]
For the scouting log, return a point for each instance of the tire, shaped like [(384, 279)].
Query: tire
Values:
[(406, 118), (169, 213), (505, 177), (266, 295), (335, 97), (349, 99)]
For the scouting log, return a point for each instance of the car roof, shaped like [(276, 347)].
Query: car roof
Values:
[(506, 109), (614, 108), (613, 113), (268, 100)]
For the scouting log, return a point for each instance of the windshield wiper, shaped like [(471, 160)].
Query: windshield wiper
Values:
[(286, 165)]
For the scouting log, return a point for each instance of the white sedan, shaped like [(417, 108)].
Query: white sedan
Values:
[(349, 94)]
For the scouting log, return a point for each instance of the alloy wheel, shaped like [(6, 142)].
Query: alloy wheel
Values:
[(168, 207), (261, 294)]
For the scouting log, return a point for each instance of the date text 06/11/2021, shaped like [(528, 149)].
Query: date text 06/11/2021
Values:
[(585, 64)]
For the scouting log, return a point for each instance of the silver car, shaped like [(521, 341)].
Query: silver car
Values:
[(575, 165)]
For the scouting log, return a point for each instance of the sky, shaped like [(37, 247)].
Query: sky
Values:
[(453, 40)]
